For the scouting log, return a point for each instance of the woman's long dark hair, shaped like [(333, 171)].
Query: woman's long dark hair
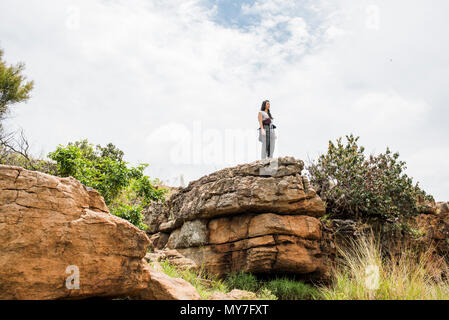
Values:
[(264, 106)]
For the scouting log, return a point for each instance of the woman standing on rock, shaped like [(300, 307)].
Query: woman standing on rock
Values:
[(267, 134)]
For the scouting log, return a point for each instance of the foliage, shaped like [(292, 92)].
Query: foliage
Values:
[(13, 85), (103, 169), (288, 289), (282, 288), (132, 213), (206, 284), (15, 159), (266, 294), (13, 89), (243, 281), (357, 186)]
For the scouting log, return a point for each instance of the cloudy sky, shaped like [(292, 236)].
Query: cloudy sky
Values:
[(178, 83)]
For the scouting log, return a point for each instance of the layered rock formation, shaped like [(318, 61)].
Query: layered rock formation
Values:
[(260, 217), (54, 229)]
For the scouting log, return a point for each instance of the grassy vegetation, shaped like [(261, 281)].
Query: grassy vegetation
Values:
[(287, 289), (280, 288), (204, 283), (363, 274), (283, 288)]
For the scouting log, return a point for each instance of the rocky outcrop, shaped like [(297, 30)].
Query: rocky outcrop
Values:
[(53, 230), (260, 217)]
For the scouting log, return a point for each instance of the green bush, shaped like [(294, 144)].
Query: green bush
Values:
[(14, 88), (11, 158), (354, 185), (132, 213), (124, 189)]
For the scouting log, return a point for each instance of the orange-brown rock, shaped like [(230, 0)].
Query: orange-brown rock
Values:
[(163, 287), (258, 243), (263, 254), (261, 186), (231, 229), (259, 217), (174, 257), (52, 228)]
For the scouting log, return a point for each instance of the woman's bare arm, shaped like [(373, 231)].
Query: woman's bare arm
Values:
[(260, 123)]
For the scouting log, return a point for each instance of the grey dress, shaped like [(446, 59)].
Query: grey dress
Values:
[(268, 141)]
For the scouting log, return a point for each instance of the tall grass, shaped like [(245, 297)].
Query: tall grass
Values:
[(362, 273)]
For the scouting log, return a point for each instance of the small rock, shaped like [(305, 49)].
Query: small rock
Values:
[(235, 294)]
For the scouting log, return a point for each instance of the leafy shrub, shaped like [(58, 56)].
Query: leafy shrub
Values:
[(353, 185), (124, 189), (14, 88), (132, 213)]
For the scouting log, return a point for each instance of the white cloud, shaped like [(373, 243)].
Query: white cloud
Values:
[(138, 73), (389, 109)]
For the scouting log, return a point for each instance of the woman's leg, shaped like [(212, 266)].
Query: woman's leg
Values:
[(264, 148), (268, 138), (272, 143)]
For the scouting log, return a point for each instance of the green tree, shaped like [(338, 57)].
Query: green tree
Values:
[(354, 185), (14, 89), (13, 86), (125, 189)]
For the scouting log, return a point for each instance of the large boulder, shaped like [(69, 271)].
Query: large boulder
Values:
[(54, 229), (260, 217)]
